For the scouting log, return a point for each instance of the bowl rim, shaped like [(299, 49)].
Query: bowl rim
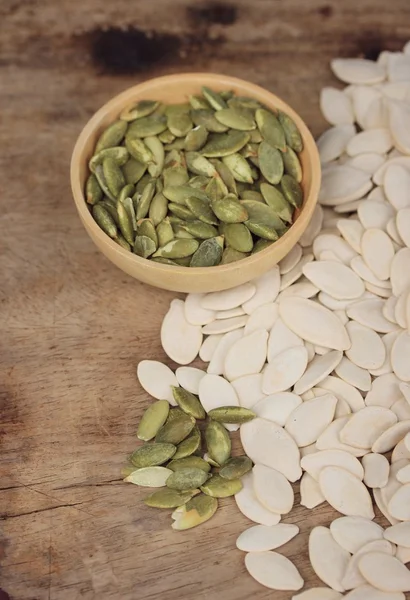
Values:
[(151, 85)]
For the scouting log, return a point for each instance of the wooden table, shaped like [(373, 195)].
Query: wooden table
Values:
[(73, 327)]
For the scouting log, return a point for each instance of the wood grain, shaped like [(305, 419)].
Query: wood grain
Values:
[(73, 327)]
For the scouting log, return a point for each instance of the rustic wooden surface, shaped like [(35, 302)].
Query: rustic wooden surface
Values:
[(73, 327)]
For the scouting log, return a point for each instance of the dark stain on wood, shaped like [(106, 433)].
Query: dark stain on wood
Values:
[(212, 13), (325, 11), (4, 595)]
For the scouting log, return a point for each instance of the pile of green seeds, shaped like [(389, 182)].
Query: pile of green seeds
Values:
[(172, 458), (198, 184)]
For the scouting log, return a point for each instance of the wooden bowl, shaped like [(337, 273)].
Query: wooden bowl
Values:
[(174, 89)]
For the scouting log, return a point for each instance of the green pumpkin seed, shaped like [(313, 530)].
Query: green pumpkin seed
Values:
[(178, 144), (292, 191), (263, 231), (147, 126), (216, 189), (276, 200), (231, 414), (113, 176), (195, 462), (143, 108), (181, 233), (118, 153), (256, 137), (178, 249), (270, 128), (102, 182), (199, 165), (200, 230), (175, 429), (121, 241), (218, 487), (270, 162), (237, 236), (202, 211), (239, 167), (165, 232), (166, 137), (231, 255), (292, 134), (165, 261), (157, 150), (181, 193), (189, 445), (167, 498), (152, 420), (198, 102), (262, 214), (214, 99), (250, 150), (226, 94), (218, 442), (183, 262), (179, 124), (244, 102), (177, 109), (251, 195), (261, 245), (129, 207), (112, 136), (125, 223), (188, 478), (236, 118), (229, 210), (209, 253), (138, 150), (226, 175), (158, 208), (104, 220), (211, 461), (292, 164), (188, 402), (196, 138), (126, 192), (182, 212), (93, 192), (223, 144), (139, 188), (199, 182), (144, 246), (195, 512), (144, 202), (149, 476), (133, 171), (152, 455), (206, 118), (146, 227), (235, 468)]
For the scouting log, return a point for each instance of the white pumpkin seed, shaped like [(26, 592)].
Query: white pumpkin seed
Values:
[(343, 391), (228, 299), (332, 143), (400, 274), (400, 310), (250, 506), (399, 113), (189, 378), (399, 534), (363, 97), (249, 390), (359, 266), (290, 260), (385, 391), (345, 492), (368, 592), (272, 489), (396, 184), (216, 364), (354, 375), (372, 140), (318, 369), (310, 494), (328, 559), (281, 338), (269, 444), (284, 370), (352, 577), (366, 425), (378, 252), (403, 475), (336, 106), (157, 379), (194, 313), (314, 463), (267, 288), (367, 349), (263, 317), (376, 470), (401, 409), (294, 274), (261, 538), (341, 184), (368, 161), (302, 288), (375, 215), (273, 571), (370, 314), (352, 232), (391, 436), (400, 356), (247, 355), (358, 70), (214, 391), (318, 594), (385, 572), (352, 533), (329, 440), (336, 279), (403, 225), (180, 340), (403, 554), (225, 325), (277, 407), (313, 228), (308, 420)]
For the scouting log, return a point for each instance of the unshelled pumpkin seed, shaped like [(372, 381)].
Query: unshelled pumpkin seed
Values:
[(189, 445), (231, 414), (189, 462), (188, 478), (235, 468), (218, 442), (112, 136), (168, 498), (177, 427), (105, 220), (218, 487), (188, 402), (195, 512), (93, 192), (152, 420), (152, 454), (209, 253)]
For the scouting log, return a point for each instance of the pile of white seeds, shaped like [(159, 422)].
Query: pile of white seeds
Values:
[(319, 349)]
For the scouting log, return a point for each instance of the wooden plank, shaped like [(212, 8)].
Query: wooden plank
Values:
[(74, 327)]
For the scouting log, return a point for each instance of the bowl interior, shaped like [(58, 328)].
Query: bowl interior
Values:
[(176, 89)]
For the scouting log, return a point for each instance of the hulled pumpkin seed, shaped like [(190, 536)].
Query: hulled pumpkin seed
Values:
[(133, 171), (125, 223), (229, 210), (138, 150), (206, 118), (214, 99), (239, 167), (292, 133), (151, 455), (236, 118), (198, 102), (292, 191), (105, 220), (127, 192), (261, 245), (270, 162), (165, 261), (93, 192), (237, 236), (189, 445), (146, 227), (218, 442), (112, 136), (216, 189), (166, 137), (292, 164), (158, 208), (181, 193), (195, 462), (223, 144), (235, 468), (149, 476), (276, 200), (199, 182), (261, 214), (113, 176), (147, 126), (263, 231), (179, 123), (175, 429), (181, 233), (199, 165), (202, 211), (244, 102), (165, 232), (152, 420), (188, 402), (167, 498), (231, 255), (178, 249), (144, 246), (181, 211), (231, 414), (121, 241), (270, 128), (187, 478), (143, 108), (196, 138), (218, 487), (195, 512), (252, 195), (118, 153), (200, 230), (209, 253), (144, 202)]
